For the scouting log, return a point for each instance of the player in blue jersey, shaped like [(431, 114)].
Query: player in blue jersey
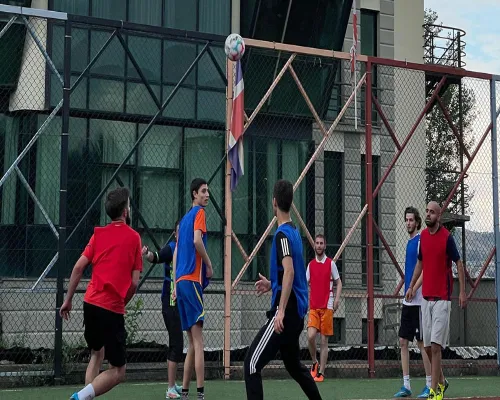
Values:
[(411, 314), (192, 270), (170, 312), (288, 305)]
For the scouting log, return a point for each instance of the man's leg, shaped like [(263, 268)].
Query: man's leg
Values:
[(290, 352), (427, 363), (262, 350), (323, 355), (107, 380), (95, 363), (436, 365), (199, 356), (188, 363), (311, 341), (172, 320), (405, 362)]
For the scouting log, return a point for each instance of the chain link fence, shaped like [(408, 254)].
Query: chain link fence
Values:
[(147, 108)]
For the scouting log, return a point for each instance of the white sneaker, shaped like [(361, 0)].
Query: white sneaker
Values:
[(172, 393)]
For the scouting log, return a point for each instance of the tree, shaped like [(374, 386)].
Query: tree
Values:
[(443, 149)]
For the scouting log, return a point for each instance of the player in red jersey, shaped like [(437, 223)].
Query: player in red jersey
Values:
[(116, 257), (321, 273), (436, 253)]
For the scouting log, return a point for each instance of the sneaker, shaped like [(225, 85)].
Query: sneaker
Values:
[(432, 395), (185, 396), (314, 369), (178, 389), (446, 384), (200, 396), (319, 378), (74, 396), (425, 393), (172, 393), (403, 392)]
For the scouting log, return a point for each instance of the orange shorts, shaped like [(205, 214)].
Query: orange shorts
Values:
[(322, 320)]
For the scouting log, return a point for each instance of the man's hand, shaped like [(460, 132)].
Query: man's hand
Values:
[(174, 295), (409, 295), (278, 322), (263, 285), (336, 305), (145, 250), (462, 299), (65, 309), (210, 271)]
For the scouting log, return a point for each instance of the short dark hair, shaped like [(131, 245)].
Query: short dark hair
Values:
[(283, 193), (320, 235), (116, 202), (414, 211), (196, 184)]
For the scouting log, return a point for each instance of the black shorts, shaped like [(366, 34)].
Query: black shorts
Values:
[(411, 323), (104, 328), (172, 320)]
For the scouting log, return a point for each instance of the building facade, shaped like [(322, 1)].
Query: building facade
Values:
[(111, 108)]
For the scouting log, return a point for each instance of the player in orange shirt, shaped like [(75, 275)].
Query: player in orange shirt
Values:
[(116, 257), (192, 270)]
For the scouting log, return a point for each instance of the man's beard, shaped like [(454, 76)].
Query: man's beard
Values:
[(430, 224), (127, 220), (320, 253), (411, 231)]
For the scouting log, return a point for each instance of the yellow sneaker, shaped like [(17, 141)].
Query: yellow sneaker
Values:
[(432, 395), (440, 392)]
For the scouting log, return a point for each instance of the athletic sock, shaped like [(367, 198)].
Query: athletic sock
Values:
[(406, 382), (428, 381), (200, 392), (185, 393), (87, 393)]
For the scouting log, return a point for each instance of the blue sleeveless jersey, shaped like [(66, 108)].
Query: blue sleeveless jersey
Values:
[(299, 286), (168, 271), (411, 259), (186, 251)]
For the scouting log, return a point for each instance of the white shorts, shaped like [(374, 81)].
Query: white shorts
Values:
[(436, 322)]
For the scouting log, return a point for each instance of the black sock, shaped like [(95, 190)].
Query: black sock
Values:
[(185, 390), (201, 389)]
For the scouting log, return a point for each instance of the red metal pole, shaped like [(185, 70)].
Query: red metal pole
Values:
[(369, 221)]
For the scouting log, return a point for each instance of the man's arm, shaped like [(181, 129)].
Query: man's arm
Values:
[(286, 286), (338, 285), (452, 252), (416, 274), (76, 276), (200, 228), (308, 274), (133, 286), (174, 264)]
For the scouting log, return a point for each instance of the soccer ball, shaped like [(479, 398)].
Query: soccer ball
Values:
[(234, 47)]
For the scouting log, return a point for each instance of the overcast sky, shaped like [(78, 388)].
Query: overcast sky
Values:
[(480, 19)]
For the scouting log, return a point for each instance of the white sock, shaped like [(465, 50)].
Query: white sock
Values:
[(428, 381), (406, 382), (87, 393)]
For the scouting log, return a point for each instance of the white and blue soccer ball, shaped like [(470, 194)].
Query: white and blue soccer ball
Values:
[(234, 47)]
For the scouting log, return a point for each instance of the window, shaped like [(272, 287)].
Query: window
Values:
[(364, 330), (333, 200), (376, 208), (210, 16), (338, 331), (369, 47)]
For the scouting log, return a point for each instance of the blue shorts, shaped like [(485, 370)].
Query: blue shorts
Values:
[(190, 303)]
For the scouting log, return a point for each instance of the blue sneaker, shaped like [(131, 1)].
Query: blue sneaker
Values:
[(178, 389), (74, 396), (403, 392), (425, 393)]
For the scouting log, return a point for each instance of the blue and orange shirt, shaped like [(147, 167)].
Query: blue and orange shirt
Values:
[(190, 266)]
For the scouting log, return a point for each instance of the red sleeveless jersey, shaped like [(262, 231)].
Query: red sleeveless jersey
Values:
[(436, 265), (320, 276)]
